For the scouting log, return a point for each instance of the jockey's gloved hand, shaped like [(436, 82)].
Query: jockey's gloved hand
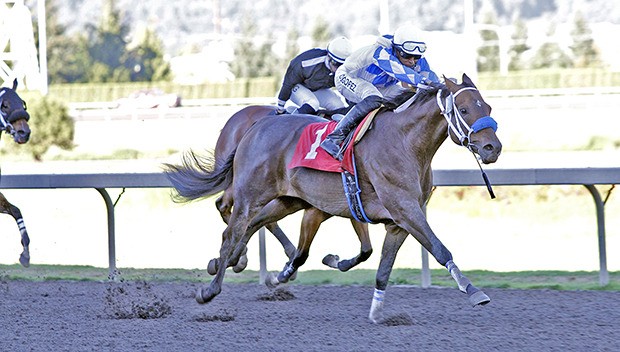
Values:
[(423, 86), (280, 110), (428, 84)]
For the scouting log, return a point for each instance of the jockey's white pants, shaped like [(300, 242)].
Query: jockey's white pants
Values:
[(328, 99)]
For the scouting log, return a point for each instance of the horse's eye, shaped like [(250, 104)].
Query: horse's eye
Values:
[(463, 111), (5, 105)]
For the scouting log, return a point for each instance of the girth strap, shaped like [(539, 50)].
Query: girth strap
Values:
[(352, 192)]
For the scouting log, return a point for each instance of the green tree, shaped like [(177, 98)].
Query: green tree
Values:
[(67, 56), (585, 52), (108, 47), (292, 48), (488, 53), (519, 46), (550, 55), (146, 59), (251, 59), (320, 33)]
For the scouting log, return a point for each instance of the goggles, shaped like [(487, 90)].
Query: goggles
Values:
[(334, 63), (406, 56), (411, 47)]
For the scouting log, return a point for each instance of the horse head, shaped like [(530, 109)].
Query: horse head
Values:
[(469, 120), (13, 115)]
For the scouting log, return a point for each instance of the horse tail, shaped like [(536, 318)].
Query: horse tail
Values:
[(199, 176)]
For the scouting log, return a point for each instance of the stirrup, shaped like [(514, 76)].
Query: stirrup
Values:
[(331, 148)]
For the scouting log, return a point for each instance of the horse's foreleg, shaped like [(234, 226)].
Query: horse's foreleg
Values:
[(8, 208), (361, 229), (394, 239), (476, 296), (433, 245)]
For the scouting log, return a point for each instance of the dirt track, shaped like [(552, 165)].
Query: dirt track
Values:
[(92, 316)]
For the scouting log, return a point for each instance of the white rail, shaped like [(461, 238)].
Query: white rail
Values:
[(587, 177)]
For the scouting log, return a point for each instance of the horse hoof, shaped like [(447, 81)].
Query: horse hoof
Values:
[(199, 298), (271, 280), (24, 260), (213, 266), (241, 264), (479, 298), (331, 261), (203, 297)]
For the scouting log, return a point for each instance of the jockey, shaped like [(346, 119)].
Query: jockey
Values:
[(309, 77), (376, 73)]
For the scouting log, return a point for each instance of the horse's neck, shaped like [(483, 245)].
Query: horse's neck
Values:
[(423, 128)]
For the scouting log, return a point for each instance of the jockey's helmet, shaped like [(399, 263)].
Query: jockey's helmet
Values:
[(407, 41), (339, 49)]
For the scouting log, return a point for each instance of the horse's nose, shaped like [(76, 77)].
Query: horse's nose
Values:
[(490, 152), (22, 136)]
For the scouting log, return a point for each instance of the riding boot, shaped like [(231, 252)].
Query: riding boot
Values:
[(333, 141), (305, 109)]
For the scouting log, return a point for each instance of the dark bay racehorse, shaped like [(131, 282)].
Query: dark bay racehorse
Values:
[(394, 171), (14, 121), (230, 136)]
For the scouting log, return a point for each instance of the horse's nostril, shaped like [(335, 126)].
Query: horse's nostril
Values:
[(488, 147)]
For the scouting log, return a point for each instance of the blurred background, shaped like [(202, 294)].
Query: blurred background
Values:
[(115, 84)]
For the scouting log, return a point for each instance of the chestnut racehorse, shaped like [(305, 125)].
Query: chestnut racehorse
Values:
[(394, 172)]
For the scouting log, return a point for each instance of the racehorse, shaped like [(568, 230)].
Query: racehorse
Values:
[(230, 136), (14, 121), (394, 171)]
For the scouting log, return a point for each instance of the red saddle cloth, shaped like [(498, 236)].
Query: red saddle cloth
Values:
[(309, 154)]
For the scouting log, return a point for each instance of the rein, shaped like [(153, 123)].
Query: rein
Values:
[(461, 129)]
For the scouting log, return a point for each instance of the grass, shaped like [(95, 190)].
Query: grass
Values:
[(554, 280)]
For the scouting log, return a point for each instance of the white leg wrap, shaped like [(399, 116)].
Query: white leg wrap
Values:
[(461, 280), (376, 308)]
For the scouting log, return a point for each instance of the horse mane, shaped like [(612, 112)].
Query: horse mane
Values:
[(423, 96)]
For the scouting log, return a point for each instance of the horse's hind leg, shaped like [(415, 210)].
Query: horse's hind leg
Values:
[(224, 205), (275, 210), (312, 219), (289, 247), (8, 208), (272, 212), (361, 229), (244, 222)]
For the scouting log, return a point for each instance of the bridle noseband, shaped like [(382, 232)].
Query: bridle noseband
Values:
[(6, 119), (460, 128)]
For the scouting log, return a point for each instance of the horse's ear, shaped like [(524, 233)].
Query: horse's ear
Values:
[(449, 82), (468, 80), (14, 83)]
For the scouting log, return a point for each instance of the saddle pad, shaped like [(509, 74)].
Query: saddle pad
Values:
[(309, 154)]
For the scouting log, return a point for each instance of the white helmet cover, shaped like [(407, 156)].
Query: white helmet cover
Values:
[(339, 49), (407, 39)]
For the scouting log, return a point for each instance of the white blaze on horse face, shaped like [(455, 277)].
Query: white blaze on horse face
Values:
[(312, 153)]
